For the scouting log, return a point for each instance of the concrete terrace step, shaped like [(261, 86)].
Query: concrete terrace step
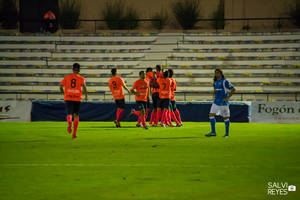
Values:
[(238, 46), (68, 66), (223, 57), (232, 50)]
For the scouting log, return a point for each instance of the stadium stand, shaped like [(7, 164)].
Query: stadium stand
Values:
[(261, 65)]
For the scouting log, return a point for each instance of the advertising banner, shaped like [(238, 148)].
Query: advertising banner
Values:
[(15, 111), (275, 112)]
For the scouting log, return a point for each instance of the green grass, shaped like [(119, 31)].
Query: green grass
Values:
[(39, 160)]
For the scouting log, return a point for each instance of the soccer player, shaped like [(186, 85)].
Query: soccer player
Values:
[(150, 79), (141, 90), (71, 87), (116, 85), (223, 90), (156, 112), (164, 98), (174, 111)]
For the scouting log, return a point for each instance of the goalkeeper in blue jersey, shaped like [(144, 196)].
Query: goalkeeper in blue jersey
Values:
[(223, 90)]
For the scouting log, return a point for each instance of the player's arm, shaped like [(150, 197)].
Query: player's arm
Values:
[(85, 91), (149, 92), (61, 88), (134, 92), (214, 94), (229, 94), (61, 85), (231, 88), (134, 87), (126, 88)]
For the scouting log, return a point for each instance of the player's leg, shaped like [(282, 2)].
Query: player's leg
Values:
[(141, 107), (212, 120), (154, 109), (117, 112), (143, 118), (163, 117), (69, 109), (158, 115), (153, 115), (121, 106), (226, 116), (173, 108), (164, 108), (147, 108), (177, 113), (137, 113), (76, 109), (159, 110), (169, 121)]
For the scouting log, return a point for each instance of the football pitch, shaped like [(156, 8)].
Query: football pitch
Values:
[(40, 161)]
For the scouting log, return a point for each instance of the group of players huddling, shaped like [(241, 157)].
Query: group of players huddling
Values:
[(160, 85)]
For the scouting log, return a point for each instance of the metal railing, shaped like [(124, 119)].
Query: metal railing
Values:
[(247, 27)]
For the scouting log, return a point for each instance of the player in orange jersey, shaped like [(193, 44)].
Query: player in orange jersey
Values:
[(71, 87), (141, 90), (156, 112), (149, 78), (164, 96), (174, 111), (116, 85)]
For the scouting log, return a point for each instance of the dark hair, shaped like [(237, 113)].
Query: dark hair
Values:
[(158, 68), (215, 78), (166, 73), (113, 71), (170, 72), (149, 69), (76, 66), (141, 72)]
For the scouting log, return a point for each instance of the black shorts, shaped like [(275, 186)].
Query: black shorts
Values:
[(120, 103), (173, 106), (148, 103), (141, 105), (165, 103), (155, 100), (72, 107)]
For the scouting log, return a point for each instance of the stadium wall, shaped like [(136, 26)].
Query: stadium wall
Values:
[(92, 9), (99, 111), (254, 112)]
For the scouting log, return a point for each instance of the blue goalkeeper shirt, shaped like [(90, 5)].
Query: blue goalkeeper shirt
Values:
[(222, 88)]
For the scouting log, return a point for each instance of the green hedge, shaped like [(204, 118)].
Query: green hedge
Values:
[(69, 13), (186, 12), (118, 15)]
